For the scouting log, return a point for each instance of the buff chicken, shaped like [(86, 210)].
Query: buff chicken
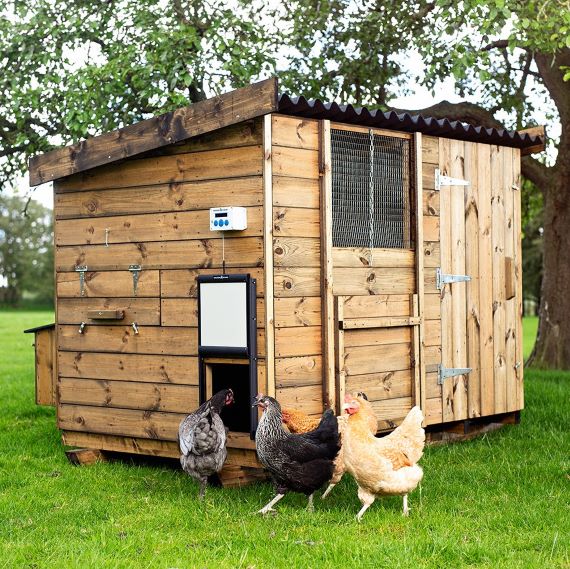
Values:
[(382, 466)]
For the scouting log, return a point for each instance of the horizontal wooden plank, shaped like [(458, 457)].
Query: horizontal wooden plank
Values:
[(377, 306), (384, 385), (177, 226), (184, 312), (239, 252), (432, 357), (122, 339), (296, 222), (181, 283), (209, 165), (432, 334), (129, 367), (301, 341), (377, 336), (432, 307), (308, 398), (303, 370), (428, 175), (433, 388), (378, 323), (125, 422), (204, 116), (297, 311), (143, 311), (364, 257), (297, 281), (434, 412), (347, 282), (430, 149), (175, 196), (246, 133), (360, 360), (129, 394), (295, 162), (294, 131), (107, 284), (167, 449), (431, 228), (296, 192), (393, 410), (150, 340), (430, 202), (432, 254), (296, 252), (366, 130)]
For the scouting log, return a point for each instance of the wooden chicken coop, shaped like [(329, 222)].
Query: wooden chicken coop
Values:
[(380, 252)]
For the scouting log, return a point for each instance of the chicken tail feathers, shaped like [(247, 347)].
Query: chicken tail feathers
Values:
[(411, 430)]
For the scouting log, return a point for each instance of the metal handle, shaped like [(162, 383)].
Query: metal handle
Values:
[(82, 327), (135, 327)]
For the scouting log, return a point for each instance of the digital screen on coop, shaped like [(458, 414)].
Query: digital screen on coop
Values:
[(223, 214), (223, 314)]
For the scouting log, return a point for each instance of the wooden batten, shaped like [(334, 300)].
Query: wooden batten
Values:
[(327, 299), (268, 249)]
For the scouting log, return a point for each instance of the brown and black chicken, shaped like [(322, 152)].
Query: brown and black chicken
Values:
[(297, 462), (202, 438)]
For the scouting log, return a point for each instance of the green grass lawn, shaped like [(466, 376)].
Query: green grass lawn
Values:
[(499, 501)]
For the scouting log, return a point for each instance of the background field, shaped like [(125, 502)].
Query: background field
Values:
[(499, 501)]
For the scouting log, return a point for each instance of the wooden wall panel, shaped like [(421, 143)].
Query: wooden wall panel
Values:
[(154, 368), (212, 164), (177, 226), (297, 311), (295, 132), (297, 281), (373, 359), (372, 258), (295, 162), (306, 398), (517, 222), (296, 252), (107, 284), (383, 385), (46, 367), (301, 370), (377, 306), (358, 282), (175, 196), (129, 394), (239, 252)]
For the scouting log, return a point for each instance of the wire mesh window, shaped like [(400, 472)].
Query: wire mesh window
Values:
[(370, 190)]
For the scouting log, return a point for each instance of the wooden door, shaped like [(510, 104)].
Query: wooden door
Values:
[(480, 319)]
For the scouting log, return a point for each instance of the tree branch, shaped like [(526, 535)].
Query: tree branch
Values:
[(537, 172)]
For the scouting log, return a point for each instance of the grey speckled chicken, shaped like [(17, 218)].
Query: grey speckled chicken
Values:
[(202, 438)]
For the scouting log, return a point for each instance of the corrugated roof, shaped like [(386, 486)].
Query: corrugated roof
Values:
[(316, 109)]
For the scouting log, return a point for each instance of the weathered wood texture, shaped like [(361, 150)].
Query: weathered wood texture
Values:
[(296, 254), (113, 381), (215, 113), (479, 324), (46, 366)]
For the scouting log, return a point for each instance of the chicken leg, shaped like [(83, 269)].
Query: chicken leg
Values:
[(406, 509), (367, 499), (310, 506), (328, 490), (269, 507)]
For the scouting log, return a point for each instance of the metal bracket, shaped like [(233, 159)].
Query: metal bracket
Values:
[(81, 270), (441, 180), (135, 269), (135, 327), (445, 372), (441, 279), (81, 327)]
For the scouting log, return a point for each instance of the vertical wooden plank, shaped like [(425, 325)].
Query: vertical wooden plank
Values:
[(268, 256), (446, 298), (420, 366), (327, 299), (417, 361), (340, 373), (517, 222), (510, 303), (459, 317), (498, 237), (472, 289), (485, 281)]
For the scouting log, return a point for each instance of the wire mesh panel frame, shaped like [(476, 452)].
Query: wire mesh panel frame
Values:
[(371, 190)]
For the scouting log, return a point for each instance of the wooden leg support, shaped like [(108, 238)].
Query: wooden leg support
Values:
[(85, 456)]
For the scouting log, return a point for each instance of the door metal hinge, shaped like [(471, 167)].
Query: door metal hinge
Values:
[(81, 270), (441, 180), (441, 279), (445, 372), (135, 270)]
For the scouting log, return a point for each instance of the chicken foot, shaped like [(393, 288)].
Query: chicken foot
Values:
[(269, 507), (203, 484)]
